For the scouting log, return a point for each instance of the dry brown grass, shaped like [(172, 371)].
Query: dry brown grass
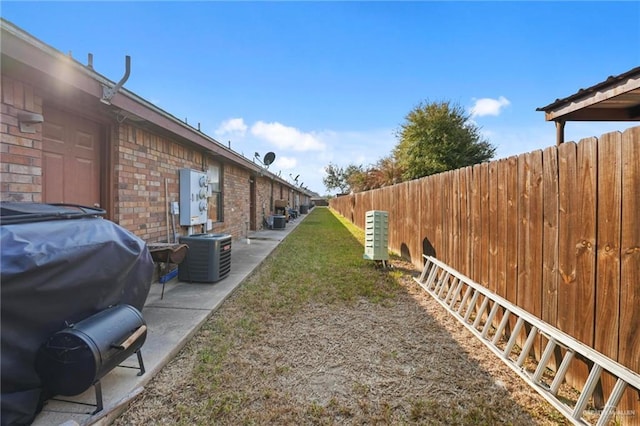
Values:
[(388, 354)]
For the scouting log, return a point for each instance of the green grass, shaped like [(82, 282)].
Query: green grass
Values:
[(319, 262)]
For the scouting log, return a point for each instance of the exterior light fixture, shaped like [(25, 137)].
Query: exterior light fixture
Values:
[(28, 120)]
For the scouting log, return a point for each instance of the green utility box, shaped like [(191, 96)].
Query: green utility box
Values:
[(376, 235)]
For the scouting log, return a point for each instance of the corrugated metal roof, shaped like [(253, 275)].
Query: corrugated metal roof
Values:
[(615, 99)]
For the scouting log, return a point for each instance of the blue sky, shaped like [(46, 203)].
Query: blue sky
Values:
[(331, 82)]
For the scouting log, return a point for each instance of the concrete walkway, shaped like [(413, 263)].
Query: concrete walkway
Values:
[(171, 322)]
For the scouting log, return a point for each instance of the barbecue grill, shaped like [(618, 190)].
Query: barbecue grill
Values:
[(77, 357)]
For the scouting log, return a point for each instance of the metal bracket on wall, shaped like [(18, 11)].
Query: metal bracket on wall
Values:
[(479, 309), (109, 92)]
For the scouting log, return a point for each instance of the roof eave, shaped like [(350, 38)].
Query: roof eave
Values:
[(584, 105)]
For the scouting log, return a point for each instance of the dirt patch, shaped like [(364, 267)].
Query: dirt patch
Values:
[(404, 361)]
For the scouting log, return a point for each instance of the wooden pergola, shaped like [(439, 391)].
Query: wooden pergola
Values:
[(615, 99)]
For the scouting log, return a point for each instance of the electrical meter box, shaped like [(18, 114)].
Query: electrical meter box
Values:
[(376, 235), (194, 191)]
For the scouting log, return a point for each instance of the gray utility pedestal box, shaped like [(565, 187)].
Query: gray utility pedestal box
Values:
[(376, 235), (194, 191), (208, 258)]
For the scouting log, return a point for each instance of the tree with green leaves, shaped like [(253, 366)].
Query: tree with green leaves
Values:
[(437, 137), (345, 179), (386, 172), (356, 177)]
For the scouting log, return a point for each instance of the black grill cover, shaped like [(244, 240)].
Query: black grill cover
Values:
[(57, 271)]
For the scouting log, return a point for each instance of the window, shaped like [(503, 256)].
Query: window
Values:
[(214, 173)]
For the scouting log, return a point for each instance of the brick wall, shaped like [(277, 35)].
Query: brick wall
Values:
[(236, 201), (144, 161), (21, 153), (263, 199)]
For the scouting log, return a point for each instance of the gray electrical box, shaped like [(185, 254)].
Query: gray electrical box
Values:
[(194, 191), (376, 235)]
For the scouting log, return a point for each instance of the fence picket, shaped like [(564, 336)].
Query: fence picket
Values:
[(629, 337), (493, 234), (484, 225), (512, 226), (476, 224), (550, 236), (608, 249)]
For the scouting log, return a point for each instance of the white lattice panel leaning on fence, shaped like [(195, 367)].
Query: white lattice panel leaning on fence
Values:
[(478, 309)]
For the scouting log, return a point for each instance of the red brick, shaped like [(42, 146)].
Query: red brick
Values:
[(9, 119), (25, 170), (24, 151), (11, 159), (24, 187), (16, 131), (16, 140), (16, 178)]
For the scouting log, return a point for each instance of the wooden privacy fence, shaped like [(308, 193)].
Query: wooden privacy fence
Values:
[(557, 232)]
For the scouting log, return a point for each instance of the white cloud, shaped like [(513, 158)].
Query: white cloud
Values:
[(285, 137), (231, 126), (358, 147), (285, 163), (488, 106)]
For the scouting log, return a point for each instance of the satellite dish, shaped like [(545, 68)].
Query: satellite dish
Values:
[(269, 157)]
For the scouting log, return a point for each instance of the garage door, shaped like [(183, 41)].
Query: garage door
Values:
[(71, 159)]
